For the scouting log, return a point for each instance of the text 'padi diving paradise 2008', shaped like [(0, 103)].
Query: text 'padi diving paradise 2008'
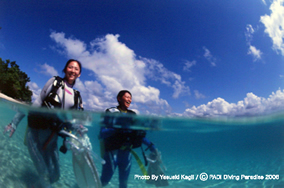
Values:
[(204, 177)]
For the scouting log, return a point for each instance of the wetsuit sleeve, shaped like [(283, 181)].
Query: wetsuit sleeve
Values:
[(44, 92), (17, 119), (149, 144)]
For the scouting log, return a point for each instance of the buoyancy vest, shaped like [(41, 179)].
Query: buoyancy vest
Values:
[(52, 100), (122, 137), (38, 120)]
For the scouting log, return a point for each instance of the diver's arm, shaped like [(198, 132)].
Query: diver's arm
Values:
[(19, 116), (149, 144), (17, 119), (11, 127), (155, 155)]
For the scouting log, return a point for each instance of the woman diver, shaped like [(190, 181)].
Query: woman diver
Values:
[(43, 128)]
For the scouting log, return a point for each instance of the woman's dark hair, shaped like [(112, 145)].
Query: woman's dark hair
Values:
[(121, 93), (69, 61)]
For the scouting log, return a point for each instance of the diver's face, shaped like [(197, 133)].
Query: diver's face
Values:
[(72, 72), (125, 101)]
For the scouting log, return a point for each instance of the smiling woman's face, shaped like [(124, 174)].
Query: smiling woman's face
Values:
[(72, 72), (125, 101)]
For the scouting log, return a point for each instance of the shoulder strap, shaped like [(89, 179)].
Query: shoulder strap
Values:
[(57, 83), (78, 103)]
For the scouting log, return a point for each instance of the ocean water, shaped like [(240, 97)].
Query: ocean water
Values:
[(223, 152)]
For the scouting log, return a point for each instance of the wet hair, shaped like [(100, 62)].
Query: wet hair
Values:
[(69, 61), (121, 93)]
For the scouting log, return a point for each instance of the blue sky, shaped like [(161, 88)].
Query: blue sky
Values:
[(185, 58)]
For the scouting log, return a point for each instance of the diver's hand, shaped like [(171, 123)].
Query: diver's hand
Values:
[(155, 156), (82, 130), (9, 128)]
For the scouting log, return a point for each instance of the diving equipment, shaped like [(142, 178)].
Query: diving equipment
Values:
[(157, 168), (82, 157)]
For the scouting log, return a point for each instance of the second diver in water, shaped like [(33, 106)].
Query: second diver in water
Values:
[(117, 142)]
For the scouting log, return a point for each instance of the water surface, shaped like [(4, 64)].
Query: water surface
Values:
[(220, 152)]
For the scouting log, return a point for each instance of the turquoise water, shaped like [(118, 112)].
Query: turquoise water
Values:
[(231, 152)]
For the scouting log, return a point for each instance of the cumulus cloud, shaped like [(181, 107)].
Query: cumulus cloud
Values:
[(69, 46), (209, 57), (35, 89), (156, 71), (251, 105), (274, 25), (117, 67), (48, 70)]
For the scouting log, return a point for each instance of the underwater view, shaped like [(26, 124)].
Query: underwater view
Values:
[(219, 152)]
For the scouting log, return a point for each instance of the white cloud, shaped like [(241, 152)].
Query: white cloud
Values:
[(209, 57), (157, 71), (274, 25), (198, 95), (116, 67), (94, 87), (249, 33), (72, 47), (255, 53), (188, 65), (48, 70), (251, 105), (35, 89)]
